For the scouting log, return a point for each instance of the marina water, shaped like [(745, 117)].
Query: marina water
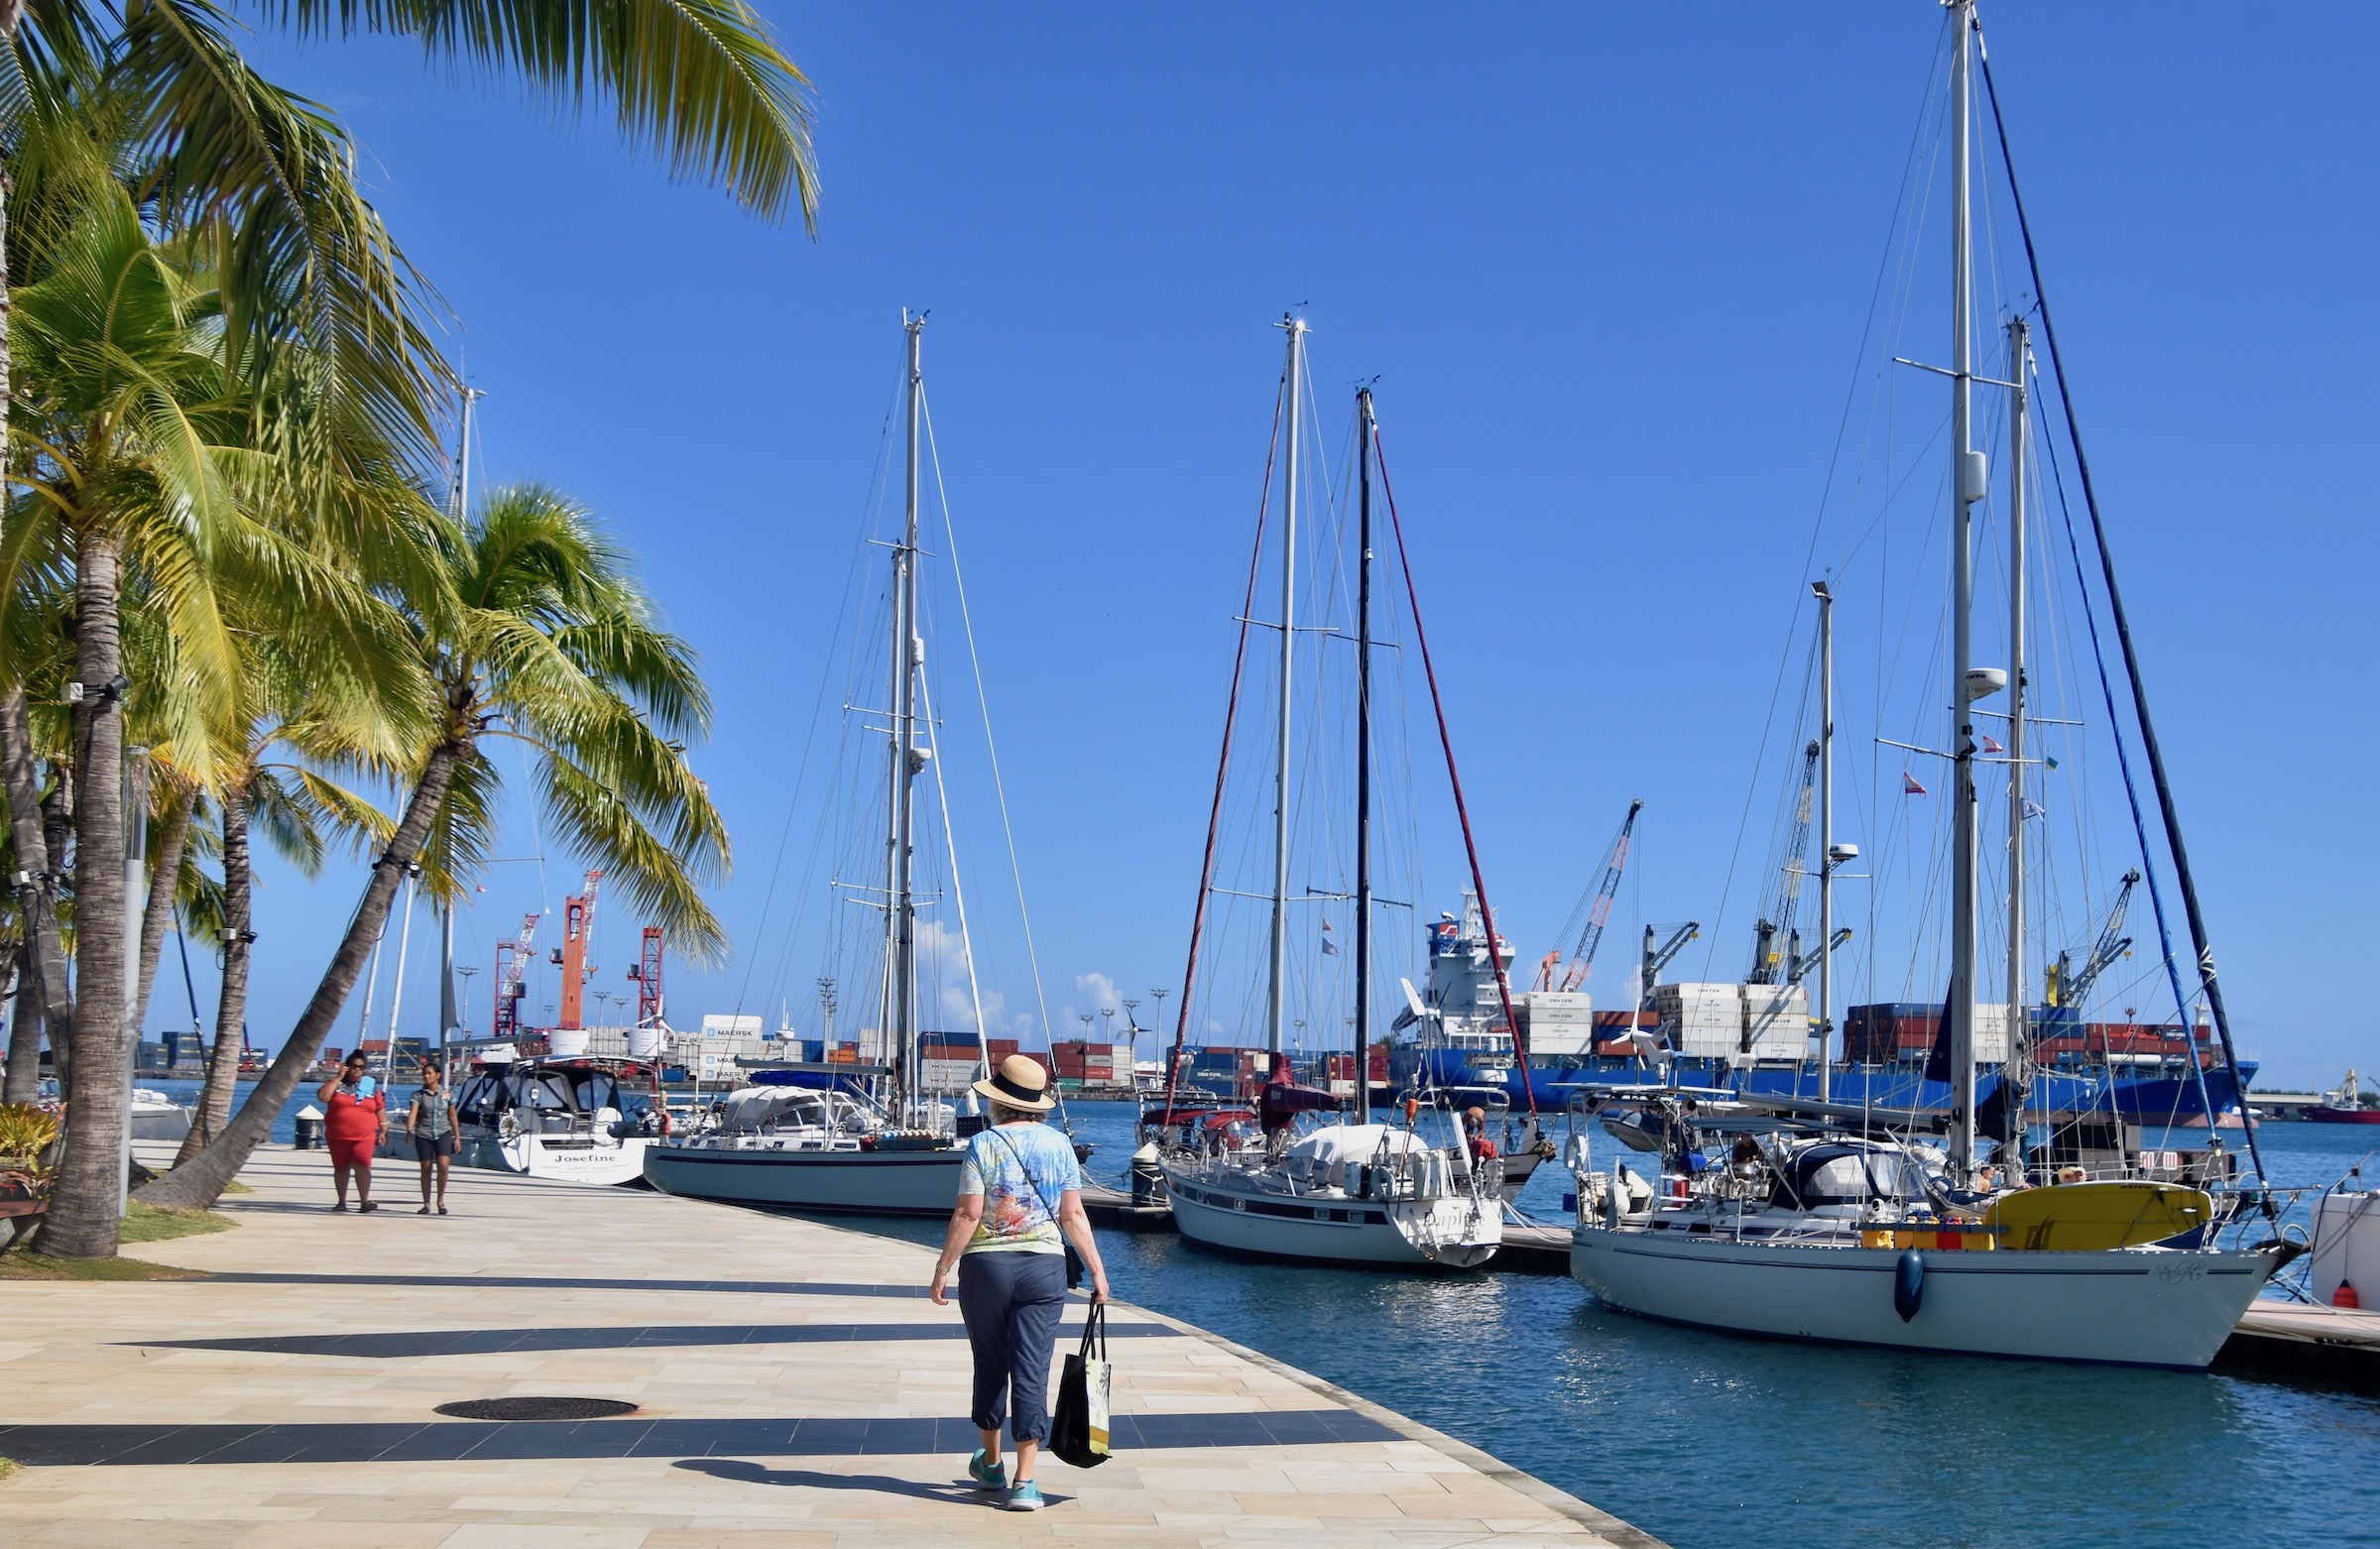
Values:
[(1714, 1442)]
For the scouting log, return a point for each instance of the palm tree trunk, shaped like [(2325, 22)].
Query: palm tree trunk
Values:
[(197, 1183), (232, 1011), (83, 1217), (28, 819), (25, 1031), (164, 879)]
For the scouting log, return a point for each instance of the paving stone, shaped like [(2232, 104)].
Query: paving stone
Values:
[(796, 1392)]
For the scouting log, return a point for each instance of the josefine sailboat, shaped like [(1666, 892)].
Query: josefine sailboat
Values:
[(1351, 1192), (1878, 1236), (858, 1129)]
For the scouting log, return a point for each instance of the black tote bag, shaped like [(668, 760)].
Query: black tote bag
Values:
[(1078, 1432)]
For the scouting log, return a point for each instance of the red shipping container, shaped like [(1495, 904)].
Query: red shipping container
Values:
[(1003, 1047)]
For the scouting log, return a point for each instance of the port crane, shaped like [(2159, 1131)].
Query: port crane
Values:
[(578, 928), (2069, 984), (647, 975), (511, 969), (1777, 957), (1596, 907), (1656, 958)]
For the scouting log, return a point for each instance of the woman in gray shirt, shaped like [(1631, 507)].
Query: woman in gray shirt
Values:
[(430, 1122)]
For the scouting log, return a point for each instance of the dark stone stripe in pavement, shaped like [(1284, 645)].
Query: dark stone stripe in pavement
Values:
[(495, 1342), (574, 1283), (67, 1446)]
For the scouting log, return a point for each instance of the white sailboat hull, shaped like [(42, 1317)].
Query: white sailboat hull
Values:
[(1332, 1229), (600, 1160), (877, 1183), (2146, 1307)]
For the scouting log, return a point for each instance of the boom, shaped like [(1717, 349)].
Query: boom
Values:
[(1776, 948), (1598, 906), (2069, 985)]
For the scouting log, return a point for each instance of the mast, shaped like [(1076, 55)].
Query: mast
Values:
[(1967, 486), (1826, 842), (2016, 1075), (449, 1009), (1363, 757), (909, 649), (1277, 992)]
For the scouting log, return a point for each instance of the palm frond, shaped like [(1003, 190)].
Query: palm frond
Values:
[(698, 82)]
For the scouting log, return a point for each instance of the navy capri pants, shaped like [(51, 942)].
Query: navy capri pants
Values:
[(1011, 1302)]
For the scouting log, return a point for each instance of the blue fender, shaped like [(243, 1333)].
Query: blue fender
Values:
[(1909, 1284)]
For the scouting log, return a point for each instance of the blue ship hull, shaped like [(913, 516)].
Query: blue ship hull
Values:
[(2153, 1100)]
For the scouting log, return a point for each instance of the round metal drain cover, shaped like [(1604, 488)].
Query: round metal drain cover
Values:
[(536, 1408)]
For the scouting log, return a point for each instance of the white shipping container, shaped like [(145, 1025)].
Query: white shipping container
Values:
[(1562, 1040), (1555, 1009), (1777, 1020)]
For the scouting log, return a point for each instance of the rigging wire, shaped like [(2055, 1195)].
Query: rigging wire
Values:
[(1222, 765), (2115, 606), (1421, 638), (1818, 526), (810, 737), (999, 786)]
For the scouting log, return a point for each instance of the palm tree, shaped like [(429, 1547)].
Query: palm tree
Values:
[(302, 259), (316, 718), (550, 642)]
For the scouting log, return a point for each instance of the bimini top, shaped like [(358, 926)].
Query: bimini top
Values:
[(1833, 1173)]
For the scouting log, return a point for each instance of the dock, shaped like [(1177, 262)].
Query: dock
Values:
[(2329, 1346), (791, 1384)]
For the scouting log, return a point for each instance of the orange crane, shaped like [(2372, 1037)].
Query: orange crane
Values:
[(578, 925)]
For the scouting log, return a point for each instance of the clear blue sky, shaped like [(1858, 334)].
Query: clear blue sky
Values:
[(1611, 267)]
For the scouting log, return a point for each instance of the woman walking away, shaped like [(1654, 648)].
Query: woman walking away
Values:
[(1019, 1190), (357, 1122), (431, 1121)]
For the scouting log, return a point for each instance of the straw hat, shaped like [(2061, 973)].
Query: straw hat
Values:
[(1018, 1083)]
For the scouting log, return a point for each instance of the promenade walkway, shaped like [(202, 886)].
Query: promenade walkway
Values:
[(793, 1388)]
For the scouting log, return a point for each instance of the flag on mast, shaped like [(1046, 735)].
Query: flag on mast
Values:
[(1909, 784)]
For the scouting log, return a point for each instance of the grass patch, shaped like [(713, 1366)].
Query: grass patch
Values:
[(8, 1465), (148, 1224), (235, 1186), (21, 1265)]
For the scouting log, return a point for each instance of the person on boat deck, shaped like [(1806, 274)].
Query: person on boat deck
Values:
[(1475, 1134), (430, 1124), (1020, 1202), (355, 1122), (1744, 1160)]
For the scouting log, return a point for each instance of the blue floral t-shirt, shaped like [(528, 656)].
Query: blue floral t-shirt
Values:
[(1004, 1164)]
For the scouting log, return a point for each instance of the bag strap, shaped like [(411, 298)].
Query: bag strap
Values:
[(1026, 1168), (1095, 1327)]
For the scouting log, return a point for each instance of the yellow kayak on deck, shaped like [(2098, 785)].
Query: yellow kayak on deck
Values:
[(2095, 1217)]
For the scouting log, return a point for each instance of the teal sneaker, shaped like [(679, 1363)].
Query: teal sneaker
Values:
[(1026, 1496), (987, 1476)]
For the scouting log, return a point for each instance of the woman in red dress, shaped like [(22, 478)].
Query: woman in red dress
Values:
[(356, 1121)]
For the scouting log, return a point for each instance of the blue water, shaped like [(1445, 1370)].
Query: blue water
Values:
[(1711, 1442)]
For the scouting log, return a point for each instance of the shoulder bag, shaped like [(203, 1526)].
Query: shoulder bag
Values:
[(1078, 1432)]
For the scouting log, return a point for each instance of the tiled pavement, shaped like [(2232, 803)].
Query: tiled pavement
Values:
[(793, 1388)]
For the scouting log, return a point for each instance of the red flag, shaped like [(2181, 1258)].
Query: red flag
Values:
[(1909, 784), (1991, 746)]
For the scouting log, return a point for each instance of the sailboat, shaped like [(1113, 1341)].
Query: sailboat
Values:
[(1887, 1239), (1347, 1193), (874, 1142)]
